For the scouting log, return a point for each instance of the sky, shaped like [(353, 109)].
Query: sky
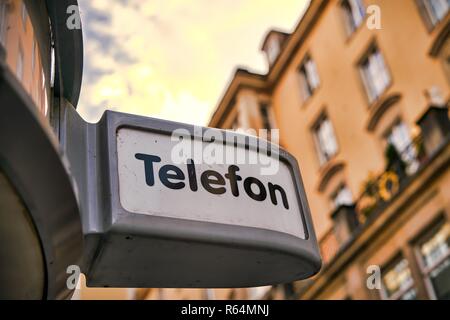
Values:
[(173, 59)]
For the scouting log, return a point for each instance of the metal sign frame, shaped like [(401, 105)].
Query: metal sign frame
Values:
[(127, 249)]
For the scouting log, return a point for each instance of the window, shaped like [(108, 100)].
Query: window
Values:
[(435, 10), (398, 283), (273, 50), (33, 57), (309, 78), (375, 74), (52, 67), (24, 15), (44, 90), (268, 121), (3, 21), (325, 139), (265, 115), (235, 123), (434, 253), (19, 64), (354, 13), (342, 196), (400, 138)]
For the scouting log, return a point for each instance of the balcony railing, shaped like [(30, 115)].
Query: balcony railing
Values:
[(376, 194), (379, 190)]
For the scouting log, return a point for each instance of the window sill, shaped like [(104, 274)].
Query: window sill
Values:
[(375, 103), (327, 170), (440, 32), (435, 28), (377, 110)]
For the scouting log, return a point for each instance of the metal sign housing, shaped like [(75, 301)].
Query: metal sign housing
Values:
[(140, 234)]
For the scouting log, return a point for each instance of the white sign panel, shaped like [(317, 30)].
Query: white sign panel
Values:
[(151, 183)]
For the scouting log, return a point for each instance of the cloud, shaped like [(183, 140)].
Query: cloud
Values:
[(172, 59)]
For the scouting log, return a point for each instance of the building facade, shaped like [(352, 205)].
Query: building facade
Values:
[(359, 92), (40, 73)]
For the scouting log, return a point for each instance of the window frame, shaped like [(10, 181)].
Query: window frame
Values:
[(3, 21), (273, 50), (20, 71), (399, 257), (373, 97), (337, 190), (24, 15), (33, 57), (425, 236), (350, 30), (389, 132), (427, 17), (409, 152), (304, 78), (323, 160), (264, 111)]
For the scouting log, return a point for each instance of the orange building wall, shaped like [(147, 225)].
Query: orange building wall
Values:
[(19, 37)]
